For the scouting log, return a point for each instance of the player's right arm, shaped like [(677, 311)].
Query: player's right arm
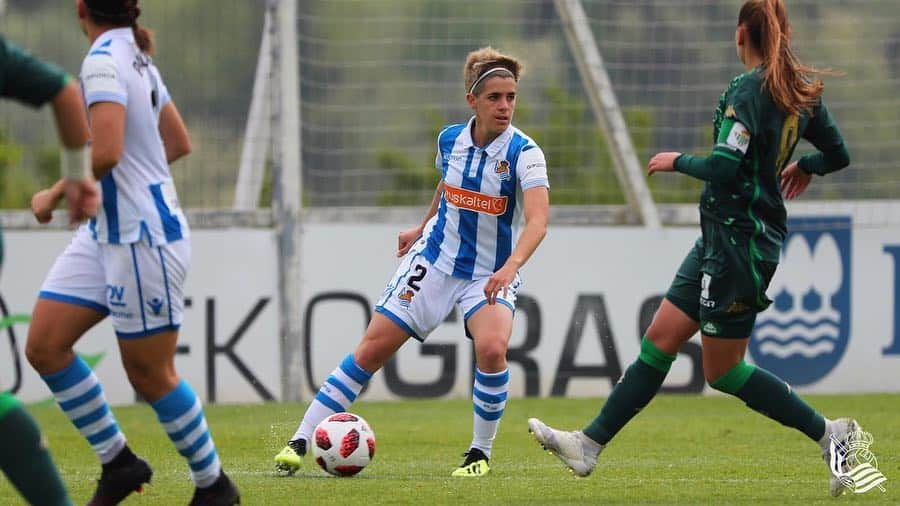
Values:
[(408, 237), (832, 154), (79, 187), (45, 201), (824, 134)]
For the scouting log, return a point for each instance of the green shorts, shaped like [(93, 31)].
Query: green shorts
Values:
[(7, 403), (722, 283)]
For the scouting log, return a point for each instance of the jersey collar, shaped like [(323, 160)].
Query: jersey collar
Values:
[(495, 147), (113, 33)]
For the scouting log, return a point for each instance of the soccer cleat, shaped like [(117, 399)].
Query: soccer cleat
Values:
[(287, 462), (842, 430), (572, 448), (126, 473), (475, 465), (222, 492)]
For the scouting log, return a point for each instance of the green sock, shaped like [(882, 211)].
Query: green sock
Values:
[(25, 459), (766, 393), (634, 390)]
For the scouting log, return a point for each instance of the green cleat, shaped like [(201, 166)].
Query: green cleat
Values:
[(475, 465), (287, 462)]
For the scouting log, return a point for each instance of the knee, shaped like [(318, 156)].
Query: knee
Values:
[(45, 357), (491, 355), (152, 381), (730, 378), (666, 341), (371, 358), (711, 378)]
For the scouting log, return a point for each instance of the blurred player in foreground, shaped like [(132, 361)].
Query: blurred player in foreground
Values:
[(466, 252), (129, 263), (721, 285), (23, 453)]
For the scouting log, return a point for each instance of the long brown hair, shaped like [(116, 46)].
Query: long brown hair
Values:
[(792, 84), (121, 13)]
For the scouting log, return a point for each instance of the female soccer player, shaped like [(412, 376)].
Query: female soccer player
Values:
[(129, 263), (465, 252), (721, 285), (25, 459)]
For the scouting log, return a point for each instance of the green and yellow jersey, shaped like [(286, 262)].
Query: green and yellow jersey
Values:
[(754, 140), (27, 79)]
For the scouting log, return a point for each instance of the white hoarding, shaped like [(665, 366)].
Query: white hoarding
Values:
[(228, 348), (588, 292)]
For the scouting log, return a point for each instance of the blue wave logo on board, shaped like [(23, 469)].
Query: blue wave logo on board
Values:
[(803, 335)]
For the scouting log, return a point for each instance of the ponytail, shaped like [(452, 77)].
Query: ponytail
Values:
[(121, 13), (144, 38), (791, 83)]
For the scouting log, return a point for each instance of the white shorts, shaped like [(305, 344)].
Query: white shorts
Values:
[(139, 286), (419, 296)]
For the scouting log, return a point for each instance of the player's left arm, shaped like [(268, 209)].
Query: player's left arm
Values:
[(532, 168), (735, 134), (108, 131), (720, 166), (36, 83), (173, 132)]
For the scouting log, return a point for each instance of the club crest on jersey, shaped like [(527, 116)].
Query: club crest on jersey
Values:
[(406, 297), (739, 137), (502, 170), (803, 335)]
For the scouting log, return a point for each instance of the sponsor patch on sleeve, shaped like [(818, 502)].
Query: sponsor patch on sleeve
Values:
[(738, 137)]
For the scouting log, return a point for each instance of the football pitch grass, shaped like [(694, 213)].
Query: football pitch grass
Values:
[(680, 450)]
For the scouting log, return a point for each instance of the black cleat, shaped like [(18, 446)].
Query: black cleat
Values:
[(123, 475), (299, 446), (222, 492)]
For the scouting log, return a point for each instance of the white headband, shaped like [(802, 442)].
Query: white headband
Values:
[(489, 72)]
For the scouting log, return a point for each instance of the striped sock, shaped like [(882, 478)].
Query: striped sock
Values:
[(336, 395), (79, 394), (181, 415), (489, 401)]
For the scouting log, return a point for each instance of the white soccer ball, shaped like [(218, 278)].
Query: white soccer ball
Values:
[(343, 444)]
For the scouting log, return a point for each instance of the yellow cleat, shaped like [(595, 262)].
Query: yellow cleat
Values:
[(475, 465), (287, 462)]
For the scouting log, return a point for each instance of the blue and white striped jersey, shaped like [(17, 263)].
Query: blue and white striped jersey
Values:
[(477, 222), (139, 198)]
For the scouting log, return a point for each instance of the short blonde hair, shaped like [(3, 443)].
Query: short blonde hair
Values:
[(483, 60)]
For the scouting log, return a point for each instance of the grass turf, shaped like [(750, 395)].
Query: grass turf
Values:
[(680, 450)]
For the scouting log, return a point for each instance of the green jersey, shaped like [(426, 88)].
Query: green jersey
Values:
[(754, 141), (26, 78)]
